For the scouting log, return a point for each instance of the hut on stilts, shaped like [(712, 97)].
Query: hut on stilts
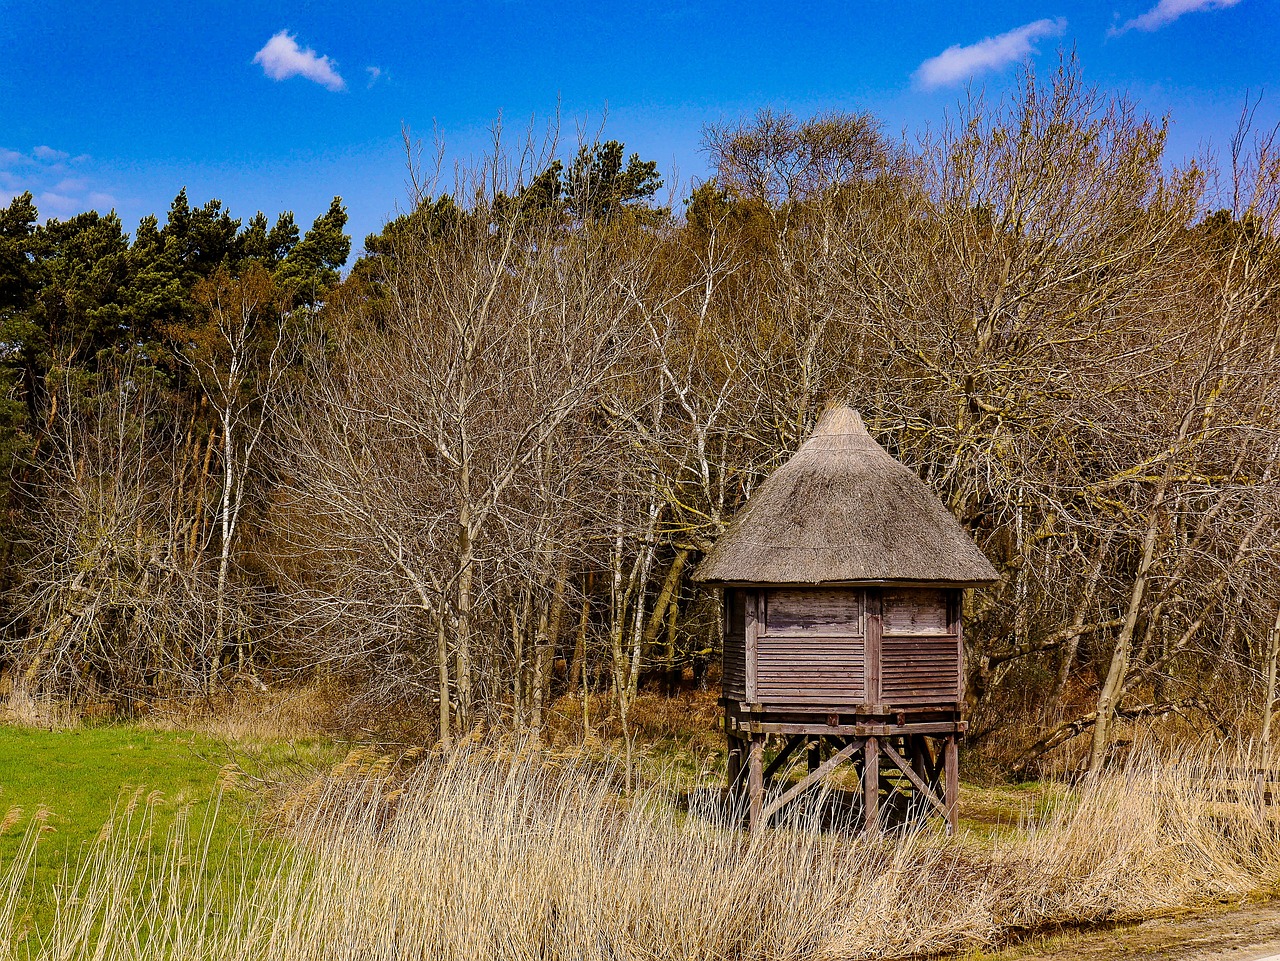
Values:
[(842, 580)]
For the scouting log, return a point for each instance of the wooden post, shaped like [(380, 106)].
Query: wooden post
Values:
[(755, 782), (871, 784), (874, 632), (951, 765), (814, 752), (754, 612), (733, 763), (920, 756)]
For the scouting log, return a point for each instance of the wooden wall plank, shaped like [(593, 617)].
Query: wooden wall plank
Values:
[(916, 611), (812, 668), (733, 680), (891, 647), (835, 611), (919, 669)]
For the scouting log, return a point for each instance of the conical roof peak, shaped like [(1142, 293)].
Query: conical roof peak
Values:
[(840, 427), (842, 510), (840, 420)]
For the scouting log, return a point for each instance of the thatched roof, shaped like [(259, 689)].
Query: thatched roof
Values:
[(843, 511)]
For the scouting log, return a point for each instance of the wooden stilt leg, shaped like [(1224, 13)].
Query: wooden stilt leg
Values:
[(755, 781), (951, 765), (780, 759), (733, 765), (814, 751), (920, 757), (871, 784)]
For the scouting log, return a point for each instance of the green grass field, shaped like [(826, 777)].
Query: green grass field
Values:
[(77, 779), (80, 775)]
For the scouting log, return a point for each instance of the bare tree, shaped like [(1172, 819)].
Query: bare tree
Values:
[(238, 351), (432, 419), (114, 601)]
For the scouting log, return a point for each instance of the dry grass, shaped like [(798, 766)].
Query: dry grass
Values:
[(242, 712), (21, 708), (253, 712), (489, 854)]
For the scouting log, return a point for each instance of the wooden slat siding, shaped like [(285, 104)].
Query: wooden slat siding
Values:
[(734, 669), (809, 669), (807, 613), (957, 628), (919, 670), (809, 647), (919, 652), (753, 606)]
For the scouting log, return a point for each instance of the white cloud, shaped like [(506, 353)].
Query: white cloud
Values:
[(957, 63), (1167, 11), (58, 204), (282, 58), (374, 73), (49, 155), (59, 190)]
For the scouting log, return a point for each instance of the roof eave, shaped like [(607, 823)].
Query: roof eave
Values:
[(862, 582)]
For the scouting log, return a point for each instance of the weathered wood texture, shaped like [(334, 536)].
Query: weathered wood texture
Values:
[(915, 611), (905, 774), (875, 636), (755, 782), (871, 785), (803, 613), (734, 672), (898, 647), (811, 649), (951, 765), (842, 646), (810, 670), (919, 653)]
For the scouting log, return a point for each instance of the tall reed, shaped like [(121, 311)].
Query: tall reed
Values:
[(478, 855)]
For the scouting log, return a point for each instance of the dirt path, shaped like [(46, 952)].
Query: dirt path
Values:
[(1250, 933)]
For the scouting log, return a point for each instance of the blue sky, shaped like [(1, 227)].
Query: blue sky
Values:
[(278, 106)]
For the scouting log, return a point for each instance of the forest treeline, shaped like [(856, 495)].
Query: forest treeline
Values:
[(475, 474)]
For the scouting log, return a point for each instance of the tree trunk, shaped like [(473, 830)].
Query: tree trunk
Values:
[(669, 589), (442, 658), (1269, 703), (544, 651), (462, 607), (226, 524), (580, 646), (1072, 645), (1113, 686)]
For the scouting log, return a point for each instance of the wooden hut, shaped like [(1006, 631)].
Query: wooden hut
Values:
[(842, 582)]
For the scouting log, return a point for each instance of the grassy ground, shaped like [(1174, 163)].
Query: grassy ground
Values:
[(501, 850), (68, 783), (73, 780), (681, 747), (79, 775)]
